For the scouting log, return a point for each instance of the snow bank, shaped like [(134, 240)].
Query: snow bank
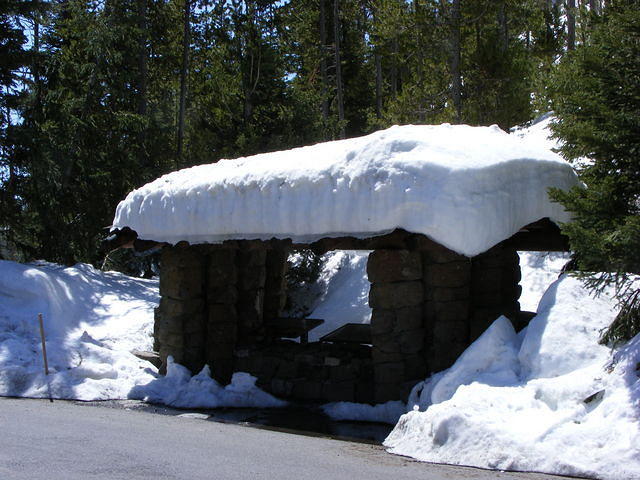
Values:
[(92, 320), (467, 188), (179, 389), (550, 400), (539, 270)]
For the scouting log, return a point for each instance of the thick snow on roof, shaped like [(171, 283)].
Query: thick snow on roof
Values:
[(467, 188)]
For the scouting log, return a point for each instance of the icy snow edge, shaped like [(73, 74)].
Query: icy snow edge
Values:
[(467, 188)]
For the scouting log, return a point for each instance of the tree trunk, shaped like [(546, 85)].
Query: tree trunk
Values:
[(456, 78), (323, 62), (571, 24), (36, 64), (142, 57), (418, 39), (504, 27), (143, 159), (378, 61), (394, 68), (336, 39), (8, 156), (252, 76), (186, 42), (548, 31)]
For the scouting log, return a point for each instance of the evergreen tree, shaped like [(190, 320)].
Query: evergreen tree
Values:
[(88, 141), (596, 94), (496, 63), (16, 60), (111, 94)]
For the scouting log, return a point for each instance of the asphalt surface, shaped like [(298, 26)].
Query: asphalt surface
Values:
[(67, 441)]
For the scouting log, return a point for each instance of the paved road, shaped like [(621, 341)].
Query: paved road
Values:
[(68, 441)]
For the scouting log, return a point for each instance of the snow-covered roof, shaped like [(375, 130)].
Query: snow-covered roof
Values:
[(467, 188)]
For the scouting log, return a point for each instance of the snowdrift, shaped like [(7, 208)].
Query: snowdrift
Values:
[(549, 400), (178, 388), (93, 319), (467, 188)]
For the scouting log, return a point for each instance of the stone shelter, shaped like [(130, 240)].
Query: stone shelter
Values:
[(436, 285)]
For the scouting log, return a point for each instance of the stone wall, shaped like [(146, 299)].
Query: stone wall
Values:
[(180, 327), (316, 372), (495, 288), (275, 290), (397, 323), (222, 296), (213, 301), (448, 305), (428, 304), (463, 296)]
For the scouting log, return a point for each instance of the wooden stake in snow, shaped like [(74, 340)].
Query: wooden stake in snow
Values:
[(44, 345)]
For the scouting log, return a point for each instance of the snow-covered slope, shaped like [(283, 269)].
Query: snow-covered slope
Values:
[(539, 132), (92, 319), (539, 270), (341, 293), (466, 187), (550, 399)]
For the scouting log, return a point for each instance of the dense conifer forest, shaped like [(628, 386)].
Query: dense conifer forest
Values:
[(98, 97)]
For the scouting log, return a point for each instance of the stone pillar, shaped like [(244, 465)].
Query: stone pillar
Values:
[(275, 291), (496, 290), (251, 264), (447, 307), (180, 326), (397, 321), (222, 326)]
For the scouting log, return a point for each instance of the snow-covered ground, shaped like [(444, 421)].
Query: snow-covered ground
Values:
[(92, 321), (550, 399), (539, 270), (465, 187)]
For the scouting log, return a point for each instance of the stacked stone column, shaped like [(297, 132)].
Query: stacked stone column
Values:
[(429, 304), (397, 324), (496, 289), (448, 304), (463, 296), (222, 296), (180, 324)]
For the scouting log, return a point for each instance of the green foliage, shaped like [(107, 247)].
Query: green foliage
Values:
[(498, 82), (90, 99), (596, 93), (83, 143)]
